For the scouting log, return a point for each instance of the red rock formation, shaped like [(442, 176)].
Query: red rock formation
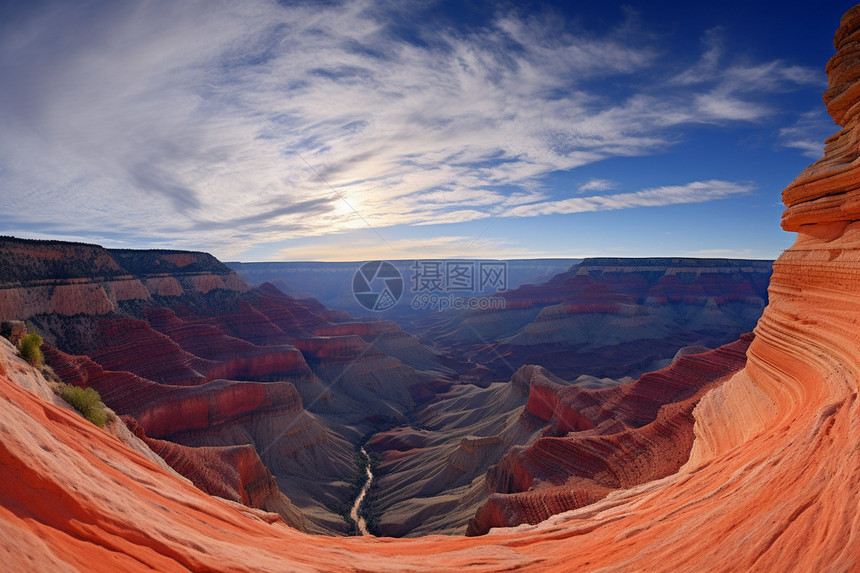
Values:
[(232, 472), (613, 317), (75, 297), (132, 345), (250, 324), (236, 358), (398, 439), (215, 405), (163, 285), (268, 416), (123, 391), (171, 411), (287, 313), (190, 271), (391, 339), (607, 281), (52, 277), (336, 349), (546, 403), (602, 440), (382, 386)]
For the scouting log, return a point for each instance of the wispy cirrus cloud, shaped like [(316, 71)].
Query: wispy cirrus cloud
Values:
[(725, 88), (807, 134), (197, 122), (596, 184), (695, 192)]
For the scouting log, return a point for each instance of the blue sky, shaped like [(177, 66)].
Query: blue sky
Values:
[(262, 130)]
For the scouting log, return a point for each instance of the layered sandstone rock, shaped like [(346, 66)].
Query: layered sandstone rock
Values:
[(232, 472), (379, 386), (172, 273), (174, 411), (53, 277), (432, 479), (268, 418), (613, 317), (601, 440), (392, 340), (237, 359)]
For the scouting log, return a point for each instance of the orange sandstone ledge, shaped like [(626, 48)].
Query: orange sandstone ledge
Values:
[(773, 481)]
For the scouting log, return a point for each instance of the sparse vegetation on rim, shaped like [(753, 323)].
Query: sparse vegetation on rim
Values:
[(30, 349), (87, 402)]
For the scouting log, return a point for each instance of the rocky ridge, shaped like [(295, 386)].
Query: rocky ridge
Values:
[(611, 317)]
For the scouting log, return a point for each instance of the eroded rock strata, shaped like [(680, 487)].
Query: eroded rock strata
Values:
[(178, 342), (232, 472), (522, 450), (611, 317), (598, 441)]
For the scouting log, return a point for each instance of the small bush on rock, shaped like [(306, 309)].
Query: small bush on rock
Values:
[(86, 401), (30, 349)]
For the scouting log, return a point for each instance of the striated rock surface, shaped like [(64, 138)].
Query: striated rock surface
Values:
[(612, 317), (236, 358), (379, 386), (54, 277), (265, 418), (388, 337), (601, 440), (172, 411), (432, 479), (232, 472), (163, 271)]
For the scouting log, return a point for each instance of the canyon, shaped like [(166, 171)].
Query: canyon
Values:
[(735, 457), (331, 282), (218, 377), (264, 399)]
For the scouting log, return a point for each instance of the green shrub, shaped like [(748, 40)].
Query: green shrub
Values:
[(30, 349), (86, 401)]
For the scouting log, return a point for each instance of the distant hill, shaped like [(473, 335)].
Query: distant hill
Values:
[(331, 283)]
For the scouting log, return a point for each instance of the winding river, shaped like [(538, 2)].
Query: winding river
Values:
[(360, 521)]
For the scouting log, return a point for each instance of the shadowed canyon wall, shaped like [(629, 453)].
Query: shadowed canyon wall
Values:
[(610, 317)]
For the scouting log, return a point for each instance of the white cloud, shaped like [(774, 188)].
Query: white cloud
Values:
[(720, 106), (695, 192), (196, 122), (743, 75), (595, 184), (729, 91), (807, 134)]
